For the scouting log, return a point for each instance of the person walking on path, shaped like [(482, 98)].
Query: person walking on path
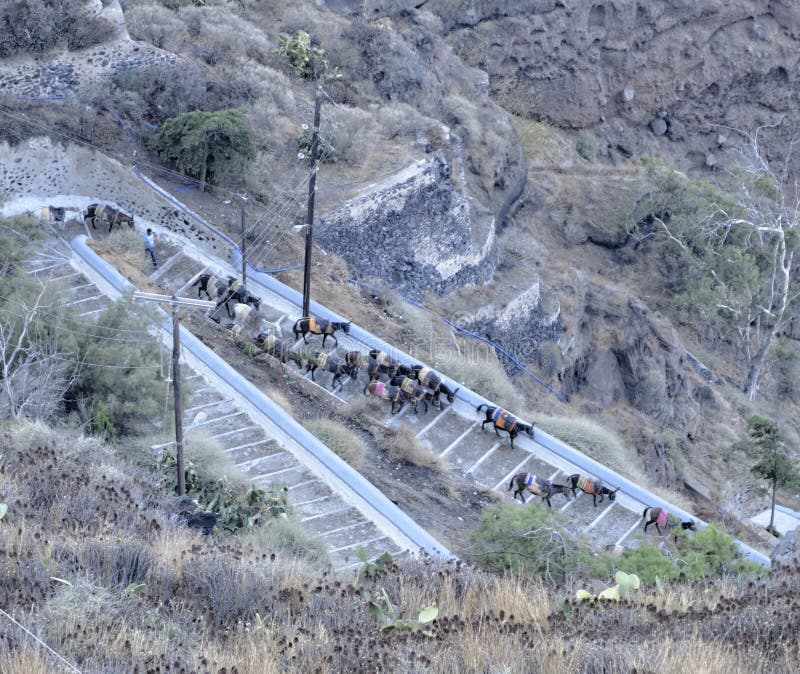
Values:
[(150, 245)]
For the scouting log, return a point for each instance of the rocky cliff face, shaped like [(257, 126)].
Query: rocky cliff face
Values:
[(639, 74)]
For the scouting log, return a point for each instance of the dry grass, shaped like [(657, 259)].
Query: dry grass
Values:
[(403, 445), (479, 369), (266, 601), (27, 660), (595, 441), (340, 439), (281, 400)]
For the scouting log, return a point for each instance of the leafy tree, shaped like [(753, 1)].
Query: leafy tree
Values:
[(207, 145), (737, 250), (771, 463)]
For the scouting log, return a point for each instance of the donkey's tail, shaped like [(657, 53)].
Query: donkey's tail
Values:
[(644, 512), (486, 405), (511, 484)]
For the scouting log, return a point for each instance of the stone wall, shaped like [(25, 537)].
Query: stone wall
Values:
[(417, 230), (520, 327)]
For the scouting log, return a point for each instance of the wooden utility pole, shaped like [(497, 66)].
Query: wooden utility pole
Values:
[(312, 184), (176, 302), (244, 245), (176, 388)]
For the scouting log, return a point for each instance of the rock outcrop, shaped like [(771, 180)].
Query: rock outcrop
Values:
[(417, 230), (520, 327), (787, 553)]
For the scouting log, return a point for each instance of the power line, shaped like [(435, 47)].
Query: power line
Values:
[(37, 639)]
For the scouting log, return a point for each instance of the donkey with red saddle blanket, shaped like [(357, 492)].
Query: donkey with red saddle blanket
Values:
[(505, 421), (593, 486), (538, 486), (661, 517), (387, 392)]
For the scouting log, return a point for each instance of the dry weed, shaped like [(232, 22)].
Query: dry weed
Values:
[(211, 461), (26, 659), (340, 439), (403, 445)]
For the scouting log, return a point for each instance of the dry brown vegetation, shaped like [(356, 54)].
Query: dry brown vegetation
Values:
[(90, 561)]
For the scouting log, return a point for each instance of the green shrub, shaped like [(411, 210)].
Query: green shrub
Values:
[(121, 371), (587, 145), (306, 60), (528, 540), (326, 154)]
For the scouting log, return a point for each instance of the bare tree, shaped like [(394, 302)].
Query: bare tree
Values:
[(743, 246), (36, 372)]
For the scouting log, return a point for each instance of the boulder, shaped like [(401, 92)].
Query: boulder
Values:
[(787, 553), (658, 126)]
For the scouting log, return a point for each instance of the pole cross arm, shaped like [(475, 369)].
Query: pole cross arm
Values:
[(169, 299)]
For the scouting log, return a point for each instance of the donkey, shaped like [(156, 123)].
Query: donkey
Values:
[(538, 486), (277, 348), (661, 517), (319, 326), (207, 282), (97, 213), (591, 486), (242, 295), (505, 421), (412, 391), (386, 364), (330, 363), (387, 392), (224, 291), (428, 378), (241, 315)]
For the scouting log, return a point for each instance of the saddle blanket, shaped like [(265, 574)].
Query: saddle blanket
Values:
[(379, 386), (661, 520), (423, 374), (587, 485), (407, 386), (322, 360), (312, 324), (504, 420), (529, 479)]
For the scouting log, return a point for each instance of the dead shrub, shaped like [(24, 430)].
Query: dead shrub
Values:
[(35, 26), (352, 132), (589, 437), (224, 590), (158, 26), (479, 368), (115, 564), (403, 445)]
